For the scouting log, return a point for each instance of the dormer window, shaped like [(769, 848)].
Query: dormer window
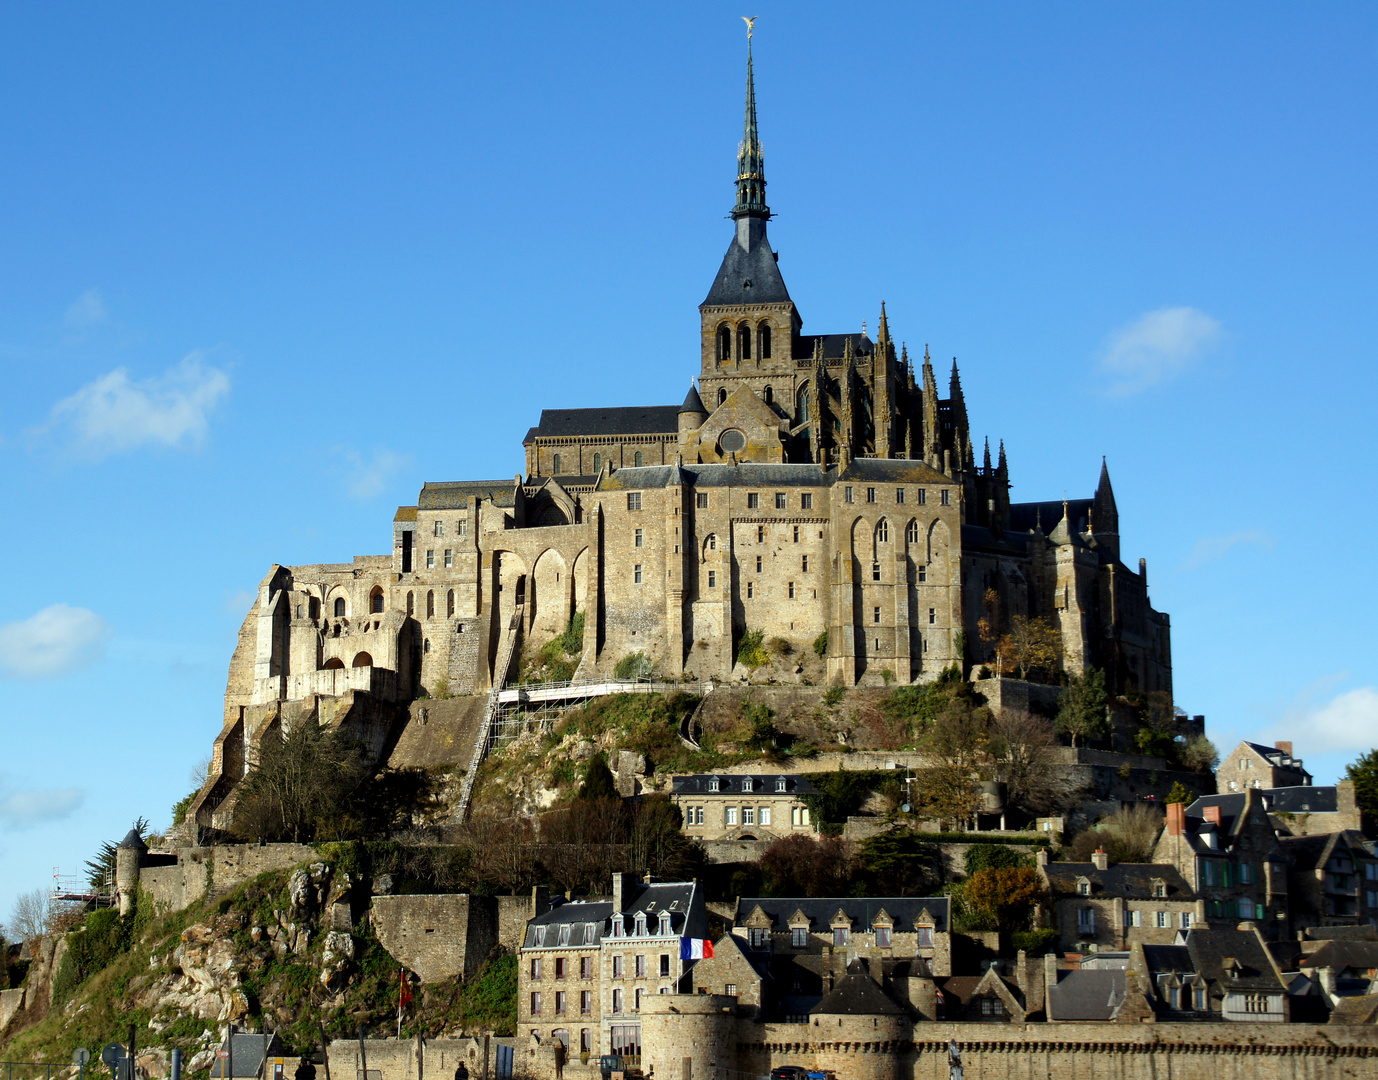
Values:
[(1159, 888), (619, 926), (1083, 887), (746, 783), (780, 783), (664, 924), (641, 924), (713, 783)]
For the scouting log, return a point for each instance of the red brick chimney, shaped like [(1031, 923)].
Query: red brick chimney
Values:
[(1285, 747), (1212, 814), (1176, 818)]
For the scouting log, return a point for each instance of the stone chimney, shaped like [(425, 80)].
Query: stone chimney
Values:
[(1285, 747), (1100, 860), (540, 901), (623, 887), (1176, 818), (1212, 814), (1041, 856), (1049, 981)]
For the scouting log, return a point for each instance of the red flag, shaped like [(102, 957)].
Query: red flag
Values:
[(404, 998)]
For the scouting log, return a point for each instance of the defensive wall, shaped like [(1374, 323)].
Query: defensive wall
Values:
[(415, 1059), (198, 870)]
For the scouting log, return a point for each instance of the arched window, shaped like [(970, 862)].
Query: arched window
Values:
[(362, 659), (555, 465), (711, 544), (763, 341), (724, 344), (430, 603), (339, 606), (912, 532), (450, 604), (744, 342), (636, 460), (722, 394), (804, 405), (770, 395), (883, 532), (376, 600), (597, 464)]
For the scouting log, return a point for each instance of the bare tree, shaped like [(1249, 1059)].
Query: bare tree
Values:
[(32, 915), (1022, 748)]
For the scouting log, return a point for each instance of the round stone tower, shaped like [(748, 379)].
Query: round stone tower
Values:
[(699, 1029), (128, 855)]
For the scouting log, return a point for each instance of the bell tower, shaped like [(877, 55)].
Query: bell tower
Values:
[(749, 324)]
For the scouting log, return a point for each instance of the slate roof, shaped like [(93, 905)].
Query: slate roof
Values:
[(1274, 756), (1363, 932), (1205, 952), (893, 471), (692, 402), (455, 494), (1086, 995), (246, 1058), (1023, 516), (819, 910), (1130, 880), (1356, 1010), (1302, 800), (1352, 954), (1313, 852), (856, 994), (748, 276), (676, 896), (729, 784), (834, 345), (745, 474), (631, 420)]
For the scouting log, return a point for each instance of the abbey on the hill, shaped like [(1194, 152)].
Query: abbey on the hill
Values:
[(810, 483)]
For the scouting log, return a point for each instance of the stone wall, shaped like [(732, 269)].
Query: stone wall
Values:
[(701, 1038), (438, 937), (226, 866), (414, 1059)]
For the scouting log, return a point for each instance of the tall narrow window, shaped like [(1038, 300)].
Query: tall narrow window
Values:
[(597, 464), (870, 494), (875, 571), (712, 542), (555, 465), (806, 564), (883, 532), (430, 603), (806, 501), (763, 344), (791, 590), (899, 496), (724, 344), (637, 539), (712, 579), (769, 395), (636, 574), (847, 493), (449, 557), (339, 607), (744, 342), (753, 500), (923, 496), (911, 532), (722, 395), (377, 604), (701, 500), (636, 460), (923, 574), (430, 558), (803, 406), (947, 497), (875, 615), (932, 616), (450, 604), (796, 534), (759, 562), (780, 501)]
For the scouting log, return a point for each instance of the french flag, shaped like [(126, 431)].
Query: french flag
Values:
[(695, 948)]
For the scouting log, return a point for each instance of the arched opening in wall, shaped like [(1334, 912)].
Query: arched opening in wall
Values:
[(769, 395), (580, 584), (549, 600), (911, 532), (597, 464), (375, 600), (450, 604), (724, 344), (521, 589), (430, 603), (763, 341), (411, 604), (555, 465), (722, 394), (636, 460), (883, 531), (340, 607), (710, 543), (362, 660), (313, 607), (744, 342), (332, 664)]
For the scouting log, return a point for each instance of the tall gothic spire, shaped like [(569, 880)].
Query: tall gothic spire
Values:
[(751, 166)]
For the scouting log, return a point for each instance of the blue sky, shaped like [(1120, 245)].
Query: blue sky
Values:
[(265, 269)]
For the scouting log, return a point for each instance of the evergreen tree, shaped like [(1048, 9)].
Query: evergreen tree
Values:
[(1364, 773), (1083, 713)]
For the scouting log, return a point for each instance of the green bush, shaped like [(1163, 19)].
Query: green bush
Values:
[(834, 694), (751, 649), (572, 640), (1033, 942), (635, 665), (820, 644), (993, 857)]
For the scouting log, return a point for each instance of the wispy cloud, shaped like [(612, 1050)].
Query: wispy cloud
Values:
[(1347, 722), (86, 311), (1157, 347), (239, 602), (23, 807), (52, 642), (366, 478), (115, 413), (1210, 548)]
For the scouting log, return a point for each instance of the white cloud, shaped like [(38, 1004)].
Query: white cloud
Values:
[(52, 642), (1157, 347), (239, 602), (116, 413), (368, 478), (1346, 723), (36, 806), (86, 310), (1210, 548)]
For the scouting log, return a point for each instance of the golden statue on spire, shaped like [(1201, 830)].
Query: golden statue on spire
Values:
[(750, 23)]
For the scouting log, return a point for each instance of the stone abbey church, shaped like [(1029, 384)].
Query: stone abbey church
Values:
[(810, 483)]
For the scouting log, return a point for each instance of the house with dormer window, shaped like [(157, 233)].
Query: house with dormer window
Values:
[(729, 806), (1098, 907)]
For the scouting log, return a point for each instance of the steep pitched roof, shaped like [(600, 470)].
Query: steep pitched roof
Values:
[(748, 276), (730, 783), (455, 494), (1087, 995), (834, 345), (1339, 954), (1131, 880), (630, 420), (819, 910), (856, 994)]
